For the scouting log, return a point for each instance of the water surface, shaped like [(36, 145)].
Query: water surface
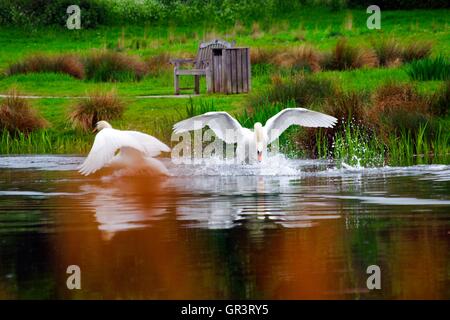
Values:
[(286, 229)]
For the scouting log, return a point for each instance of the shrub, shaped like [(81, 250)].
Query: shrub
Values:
[(158, 64), (114, 66), (41, 12), (299, 58), (398, 107), (388, 51), (262, 55), (257, 33), (18, 116), (69, 64), (400, 4), (416, 50), (345, 56), (304, 90), (440, 101), (98, 106), (347, 107), (430, 69)]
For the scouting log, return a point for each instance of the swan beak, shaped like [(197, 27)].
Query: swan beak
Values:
[(259, 156), (95, 130)]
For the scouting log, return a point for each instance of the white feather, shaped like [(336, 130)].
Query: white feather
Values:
[(220, 122), (276, 125), (130, 145)]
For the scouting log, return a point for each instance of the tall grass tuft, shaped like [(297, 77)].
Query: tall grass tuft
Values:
[(262, 55), (345, 106), (440, 101), (104, 65), (355, 147), (430, 69), (303, 89), (45, 141), (416, 50), (98, 106), (17, 116), (346, 57), (158, 64), (303, 57), (389, 52), (398, 107), (68, 63), (198, 107)]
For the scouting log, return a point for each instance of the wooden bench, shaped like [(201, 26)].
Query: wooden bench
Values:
[(201, 65)]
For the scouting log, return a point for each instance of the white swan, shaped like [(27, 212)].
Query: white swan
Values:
[(252, 145), (136, 150)]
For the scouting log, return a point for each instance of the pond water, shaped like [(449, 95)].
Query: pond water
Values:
[(286, 229)]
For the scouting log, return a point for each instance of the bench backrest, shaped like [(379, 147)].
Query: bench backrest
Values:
[(204, 54)]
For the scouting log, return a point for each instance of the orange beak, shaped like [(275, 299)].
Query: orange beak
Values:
[(259, 156)]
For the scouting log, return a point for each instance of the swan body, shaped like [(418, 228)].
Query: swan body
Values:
[(130, 149), (252, 144)]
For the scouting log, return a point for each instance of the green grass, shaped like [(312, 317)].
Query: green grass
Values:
[(409, 149), (147, 115), (319, 27), (355, 147), (437, 68)]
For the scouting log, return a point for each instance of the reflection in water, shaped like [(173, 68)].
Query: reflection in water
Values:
[(255, 234)]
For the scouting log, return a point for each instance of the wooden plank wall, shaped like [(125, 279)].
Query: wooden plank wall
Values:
[(232, 71)]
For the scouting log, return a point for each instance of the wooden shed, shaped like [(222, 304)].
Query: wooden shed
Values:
[(230, 70)]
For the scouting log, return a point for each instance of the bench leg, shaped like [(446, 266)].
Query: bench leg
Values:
[(209, 86), (176, 82), (197, 84)]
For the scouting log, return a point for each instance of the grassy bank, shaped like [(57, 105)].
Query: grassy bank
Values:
[(288, 33)]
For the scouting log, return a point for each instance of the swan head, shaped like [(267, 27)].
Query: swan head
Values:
[(101, 125), (259, 135)]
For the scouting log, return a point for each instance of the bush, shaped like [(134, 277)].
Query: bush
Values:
[(69, 64), (44, 13), (98, 106), (388, 51), (345, 57), (18, 116), (299, 58), (440, 101), (398, 107), (400, 4), (304, 90), (416, 50), (114, 66), (430, 69), (158, 64), (262, 55), (346, 107)]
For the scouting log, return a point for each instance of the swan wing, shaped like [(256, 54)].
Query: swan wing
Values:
[(152, 146), (106, 143), (276, 125), (220, 122)]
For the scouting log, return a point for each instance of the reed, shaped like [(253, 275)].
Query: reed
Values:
[(44, 142)]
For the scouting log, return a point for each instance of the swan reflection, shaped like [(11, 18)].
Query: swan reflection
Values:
[(124, 203)]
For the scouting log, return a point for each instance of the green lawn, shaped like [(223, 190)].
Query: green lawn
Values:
[(317, 26)]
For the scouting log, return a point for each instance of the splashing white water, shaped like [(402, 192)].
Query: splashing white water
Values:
[(277, 165)]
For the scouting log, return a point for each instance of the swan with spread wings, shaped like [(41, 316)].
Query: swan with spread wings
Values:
[(124, 149), (252, 144)]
